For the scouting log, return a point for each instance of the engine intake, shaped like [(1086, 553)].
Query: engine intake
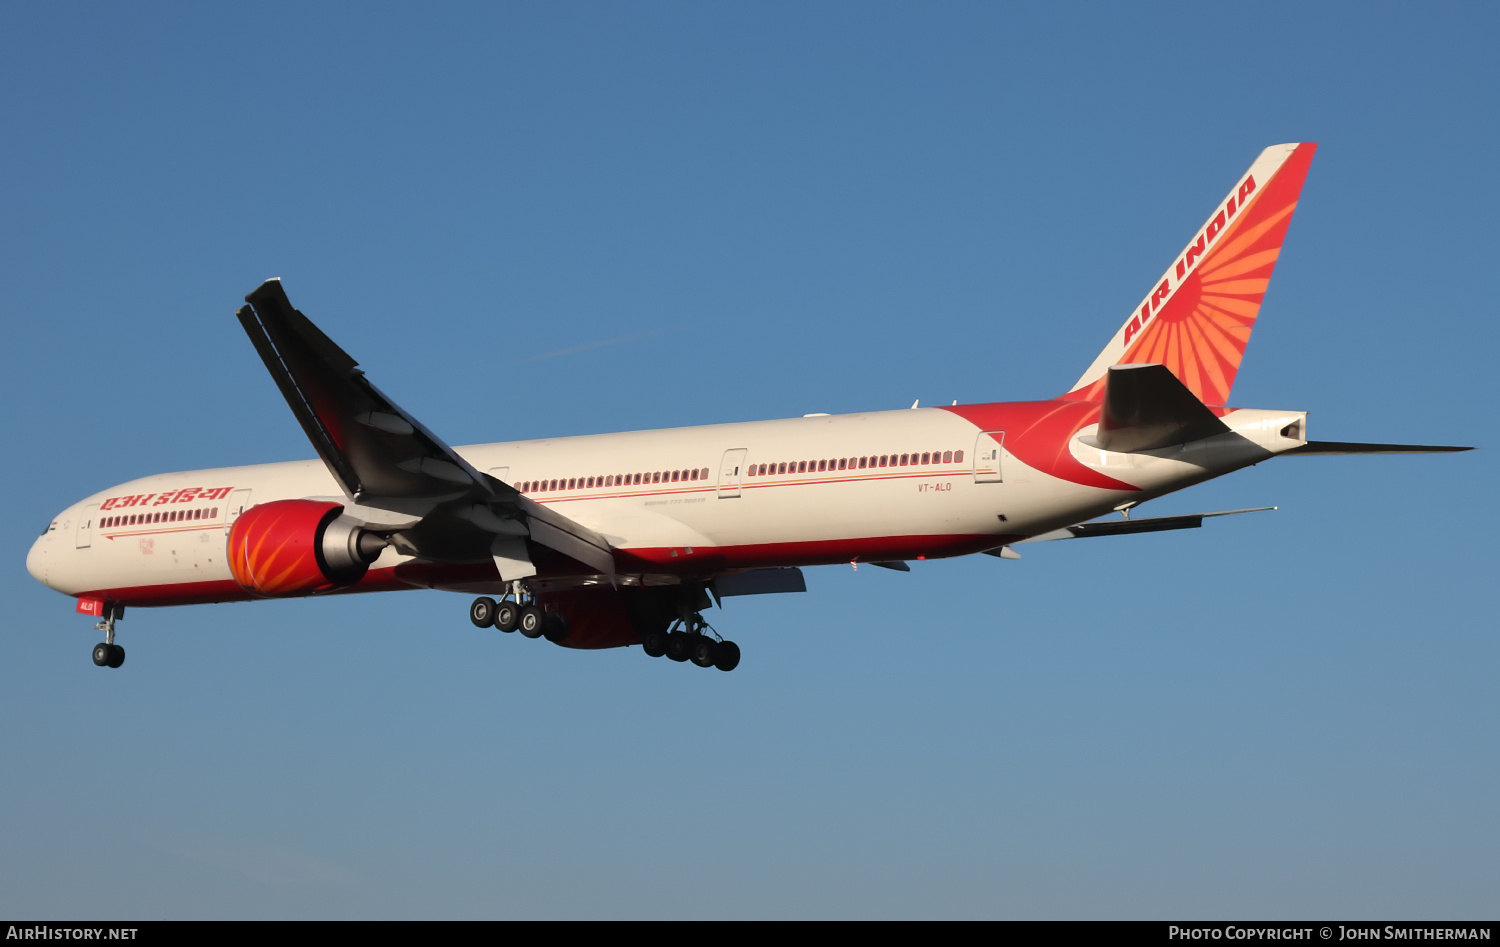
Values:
[(293, 547)]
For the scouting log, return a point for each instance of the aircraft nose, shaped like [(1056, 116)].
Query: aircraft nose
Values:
[(36, 559)]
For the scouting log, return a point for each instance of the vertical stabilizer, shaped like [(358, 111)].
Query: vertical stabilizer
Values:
[(1196, 319)]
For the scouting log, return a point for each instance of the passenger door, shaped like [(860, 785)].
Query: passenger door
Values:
[(987, 449), (731, 472)]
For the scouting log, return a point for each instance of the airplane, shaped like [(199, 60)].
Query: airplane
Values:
[(613, 540)]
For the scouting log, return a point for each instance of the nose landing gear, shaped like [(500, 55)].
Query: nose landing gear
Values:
[(107, 653)]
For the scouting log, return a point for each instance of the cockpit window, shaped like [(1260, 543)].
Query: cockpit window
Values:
[(49, 527)]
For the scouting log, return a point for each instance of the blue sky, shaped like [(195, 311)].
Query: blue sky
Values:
[(765, 210)]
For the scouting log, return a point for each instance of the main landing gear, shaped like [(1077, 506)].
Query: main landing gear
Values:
[(106, 652), (685, 640), (518, 611)]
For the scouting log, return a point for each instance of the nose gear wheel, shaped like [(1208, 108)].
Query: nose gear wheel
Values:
[(106, 652)]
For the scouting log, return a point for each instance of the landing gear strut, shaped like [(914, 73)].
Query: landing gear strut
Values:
[(107, 653), (690, 638), (519, 611)]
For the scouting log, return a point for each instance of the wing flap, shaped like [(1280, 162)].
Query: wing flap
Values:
[(760, 582)]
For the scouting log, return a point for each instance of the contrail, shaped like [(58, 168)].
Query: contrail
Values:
[(585, 347)]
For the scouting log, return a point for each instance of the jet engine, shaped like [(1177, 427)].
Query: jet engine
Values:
[(293, 547)]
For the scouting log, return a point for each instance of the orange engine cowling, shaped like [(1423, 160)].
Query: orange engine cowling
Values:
[(293, 547)]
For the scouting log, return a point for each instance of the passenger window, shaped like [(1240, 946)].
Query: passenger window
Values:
[(926, 458), (958, 457), (947, 456)]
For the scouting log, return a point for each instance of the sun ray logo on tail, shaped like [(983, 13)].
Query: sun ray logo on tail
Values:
[(1198, 317)]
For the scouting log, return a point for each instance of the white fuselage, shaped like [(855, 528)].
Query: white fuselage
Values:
[(161, 539)]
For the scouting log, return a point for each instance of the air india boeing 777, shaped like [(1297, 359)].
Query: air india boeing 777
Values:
[(620, 539)]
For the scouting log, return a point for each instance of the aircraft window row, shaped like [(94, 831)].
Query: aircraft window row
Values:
[(925, 458), (612, 480), (163, 516)]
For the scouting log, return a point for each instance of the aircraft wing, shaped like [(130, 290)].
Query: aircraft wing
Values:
[(383, 457)]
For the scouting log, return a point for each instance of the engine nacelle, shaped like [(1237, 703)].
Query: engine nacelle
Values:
[(293, 547)]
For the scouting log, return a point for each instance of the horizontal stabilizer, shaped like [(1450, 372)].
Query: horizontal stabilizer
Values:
[(1343, 447), (1150, 524), (1146, 407)]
